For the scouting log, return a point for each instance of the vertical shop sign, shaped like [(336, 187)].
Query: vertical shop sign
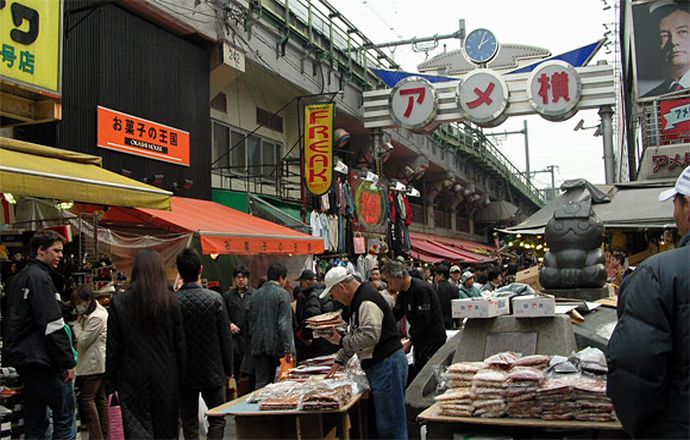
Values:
[(30, 43), (554, 90), (413, 103), (483, 98), (133, 135), (318, 147)]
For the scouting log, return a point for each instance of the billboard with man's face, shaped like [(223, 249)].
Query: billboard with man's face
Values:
[(661, 30)]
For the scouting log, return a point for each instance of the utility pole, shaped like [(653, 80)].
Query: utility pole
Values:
[(606, 114), (524, 132)]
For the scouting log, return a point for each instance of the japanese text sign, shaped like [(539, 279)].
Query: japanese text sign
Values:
[(30, 40), (675, 121), (666, 162), (554, 90), (483, 97), (413, 103), (133, 135), (253, 245), (318, 147)]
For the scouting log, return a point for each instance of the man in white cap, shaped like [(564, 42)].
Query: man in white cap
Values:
[(373, 336), (648, 361), (455, 275), (468, 289)]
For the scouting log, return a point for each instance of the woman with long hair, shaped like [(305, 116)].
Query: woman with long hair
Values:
[(145, 351)]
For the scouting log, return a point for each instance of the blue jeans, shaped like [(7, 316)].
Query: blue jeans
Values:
[(45, 388), (388, 379)]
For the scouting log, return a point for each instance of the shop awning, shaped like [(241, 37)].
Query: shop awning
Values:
[(28, 169), (434, 247), (224, 230)]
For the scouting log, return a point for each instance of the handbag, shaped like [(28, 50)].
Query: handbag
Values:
[(359, 243), (116, 430)]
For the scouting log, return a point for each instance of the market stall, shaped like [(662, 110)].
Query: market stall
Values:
[(306, 404)]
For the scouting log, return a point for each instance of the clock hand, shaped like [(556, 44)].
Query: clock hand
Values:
[(483, 40)]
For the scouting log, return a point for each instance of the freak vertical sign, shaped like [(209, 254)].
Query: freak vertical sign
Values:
[(318, 147)]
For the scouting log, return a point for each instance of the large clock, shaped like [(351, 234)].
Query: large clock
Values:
[(481, 46)]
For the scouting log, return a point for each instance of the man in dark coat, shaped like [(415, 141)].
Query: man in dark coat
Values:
[(418, 302), (649, 365), (270, 324), (237, 303), (36, 342), (309, 304), (446, 293), (208, 361)]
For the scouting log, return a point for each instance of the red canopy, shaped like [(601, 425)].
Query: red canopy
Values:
[(223, 230), (434, 248)]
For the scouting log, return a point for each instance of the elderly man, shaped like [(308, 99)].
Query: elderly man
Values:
[(373, 336), (468, 289), (673, 18), (648, 351), (455, 275), (419, 303)]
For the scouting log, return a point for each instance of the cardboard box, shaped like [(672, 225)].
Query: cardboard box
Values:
[(534, 306), (530, 277), (479, 307)]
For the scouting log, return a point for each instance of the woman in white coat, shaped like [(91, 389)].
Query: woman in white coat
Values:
[(90, 333)]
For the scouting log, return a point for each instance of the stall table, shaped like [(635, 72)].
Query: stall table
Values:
[(252, 423), (443, 427)]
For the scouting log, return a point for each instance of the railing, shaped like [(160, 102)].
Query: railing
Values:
[(650, 121), (281, 181), (471, 141)]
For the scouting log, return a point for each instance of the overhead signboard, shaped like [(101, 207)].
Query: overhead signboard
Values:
[(555, 90), (318, 147), (134, 135), (30, 44), (664, 162)]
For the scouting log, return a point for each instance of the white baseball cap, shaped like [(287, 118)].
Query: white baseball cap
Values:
[(467, 275), (455, 268), (682, 186), (334, 276)]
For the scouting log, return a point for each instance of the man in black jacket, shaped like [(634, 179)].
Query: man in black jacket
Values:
[(446, 293), (418, 302), (208, 360), (648, 360), (309, 305), (237, 303), (36, 342)]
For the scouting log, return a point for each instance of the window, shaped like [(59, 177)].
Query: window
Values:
[(244, 155)]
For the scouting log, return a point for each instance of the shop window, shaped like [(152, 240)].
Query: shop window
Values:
[(244, 155)]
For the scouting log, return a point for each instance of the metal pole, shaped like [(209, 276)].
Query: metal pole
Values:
[(606, 115), (527, 173), (553, 180)]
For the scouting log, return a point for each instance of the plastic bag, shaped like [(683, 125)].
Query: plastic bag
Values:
[(116, 430)]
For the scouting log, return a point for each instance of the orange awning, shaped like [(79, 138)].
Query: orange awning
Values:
[(223, 230)]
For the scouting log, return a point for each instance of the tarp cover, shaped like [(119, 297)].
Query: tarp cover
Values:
[(224, 230), (434, 248), (33, 170)]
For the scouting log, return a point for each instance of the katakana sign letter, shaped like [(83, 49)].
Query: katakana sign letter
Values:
[(420, 91), (544, 85), (559, 86), (483, 97), (660, 161), (676, 161), (8, 55), (19, 14)]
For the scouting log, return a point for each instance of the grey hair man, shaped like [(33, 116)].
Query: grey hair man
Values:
[(373, 336)]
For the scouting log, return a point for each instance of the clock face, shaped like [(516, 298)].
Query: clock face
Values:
[(481, 45)]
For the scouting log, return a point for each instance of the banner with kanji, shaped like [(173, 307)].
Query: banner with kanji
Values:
[(133, 135)]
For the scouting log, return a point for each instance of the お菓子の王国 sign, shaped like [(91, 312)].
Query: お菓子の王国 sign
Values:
[(133, 135), (318, 147)]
